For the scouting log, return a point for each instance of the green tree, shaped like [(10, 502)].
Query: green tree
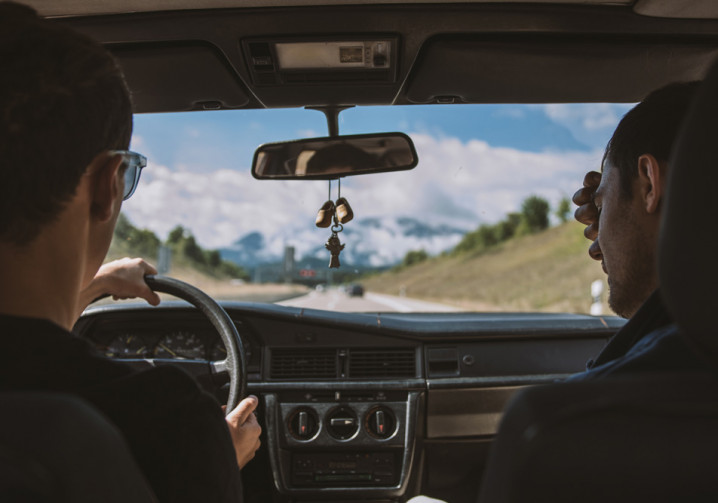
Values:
[(534, 213), (414, 257), (486, 236), (564, 209), (123, 227), (469, 242), (192, 251), (142, 242), (213, 258), (176, 235), (145, 243), (232, 270)]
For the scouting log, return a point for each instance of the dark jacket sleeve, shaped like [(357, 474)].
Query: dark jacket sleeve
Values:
[(176, 432)]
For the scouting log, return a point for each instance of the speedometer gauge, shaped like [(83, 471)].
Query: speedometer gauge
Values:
[(186, 345), (127, 346)]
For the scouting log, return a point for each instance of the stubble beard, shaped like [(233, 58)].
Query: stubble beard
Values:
[(629, 291)]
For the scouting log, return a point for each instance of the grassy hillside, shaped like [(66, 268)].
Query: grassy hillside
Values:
[(549, 271)]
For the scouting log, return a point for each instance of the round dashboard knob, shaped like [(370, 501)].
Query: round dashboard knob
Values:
[(342, 423), (380, 422), (303, 423)]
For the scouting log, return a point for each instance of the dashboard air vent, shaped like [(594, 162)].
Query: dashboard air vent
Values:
[(369, 363), (293, 363)]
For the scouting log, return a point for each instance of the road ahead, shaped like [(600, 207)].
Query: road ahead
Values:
[(334, 299)]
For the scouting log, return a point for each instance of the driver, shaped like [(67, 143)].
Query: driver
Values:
[(65, 125)]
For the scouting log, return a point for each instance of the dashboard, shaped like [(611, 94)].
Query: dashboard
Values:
[(362, 405)]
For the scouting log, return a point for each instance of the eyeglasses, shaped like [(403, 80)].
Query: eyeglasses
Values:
[(134, 162)]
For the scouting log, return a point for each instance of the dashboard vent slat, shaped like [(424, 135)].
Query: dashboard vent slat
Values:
[(369, 363), (293, 363)]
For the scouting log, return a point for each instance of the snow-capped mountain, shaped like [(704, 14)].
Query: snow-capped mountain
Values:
[(369, 242)]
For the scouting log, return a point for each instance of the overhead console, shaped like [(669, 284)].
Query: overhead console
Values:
[(304, 61), (346, 61)]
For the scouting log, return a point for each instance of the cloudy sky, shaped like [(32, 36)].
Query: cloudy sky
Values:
[(476, 163)]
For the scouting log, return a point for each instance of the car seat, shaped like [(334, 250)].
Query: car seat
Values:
[(57, 448), (649, 437)]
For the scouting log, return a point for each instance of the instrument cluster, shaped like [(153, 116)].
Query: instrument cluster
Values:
[(178, 344)]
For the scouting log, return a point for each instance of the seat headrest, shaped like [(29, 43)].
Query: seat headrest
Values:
[(687, 254)]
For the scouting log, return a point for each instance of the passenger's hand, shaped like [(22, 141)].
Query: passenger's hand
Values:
[(245, 430), (123, 279), (587, 213)]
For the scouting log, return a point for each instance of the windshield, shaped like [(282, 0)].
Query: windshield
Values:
[(483, 223)]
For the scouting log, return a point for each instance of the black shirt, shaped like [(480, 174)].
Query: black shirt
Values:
[(650, 341), (175, 431)]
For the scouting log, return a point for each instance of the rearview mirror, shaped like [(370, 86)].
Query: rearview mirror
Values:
[(334, 157)]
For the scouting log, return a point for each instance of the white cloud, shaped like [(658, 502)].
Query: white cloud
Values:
[(137, 142), (469, 183), (590, 116), (457, 183), (590, 123), (307, 133)]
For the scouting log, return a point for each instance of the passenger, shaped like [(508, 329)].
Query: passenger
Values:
[(65, 125), (622, 208)]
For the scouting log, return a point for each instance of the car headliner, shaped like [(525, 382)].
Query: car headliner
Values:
[(177, 59), (660, 8)]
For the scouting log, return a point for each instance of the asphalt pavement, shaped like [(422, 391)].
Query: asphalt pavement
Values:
[(335, 299)]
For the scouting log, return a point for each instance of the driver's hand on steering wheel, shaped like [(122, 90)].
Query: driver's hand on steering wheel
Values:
[(244, 429), (123, 279)]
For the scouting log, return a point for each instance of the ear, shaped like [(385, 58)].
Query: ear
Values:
[(650, 182), (106, 183)]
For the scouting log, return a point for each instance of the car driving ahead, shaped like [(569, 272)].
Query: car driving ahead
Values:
[(377, 196)]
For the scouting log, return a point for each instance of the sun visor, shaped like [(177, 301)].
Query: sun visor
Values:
[(179, 77), (542, 69)]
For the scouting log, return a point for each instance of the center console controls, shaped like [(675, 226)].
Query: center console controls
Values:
[(354, 442), (341, 469)]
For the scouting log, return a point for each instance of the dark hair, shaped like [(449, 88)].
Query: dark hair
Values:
[(651, 127), (63, 100)]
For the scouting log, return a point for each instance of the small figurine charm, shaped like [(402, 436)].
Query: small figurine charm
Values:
[(335, 247)]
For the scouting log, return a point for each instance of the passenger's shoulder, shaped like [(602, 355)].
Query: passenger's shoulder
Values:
[(664, 349)]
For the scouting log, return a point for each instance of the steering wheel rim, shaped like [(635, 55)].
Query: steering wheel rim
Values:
[(235, 362)]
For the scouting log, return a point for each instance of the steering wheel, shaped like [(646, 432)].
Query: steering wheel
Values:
[(234, 363)]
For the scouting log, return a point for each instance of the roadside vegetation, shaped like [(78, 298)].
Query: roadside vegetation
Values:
[(191, 263), (517, 264), (185, 253), (533, 218)]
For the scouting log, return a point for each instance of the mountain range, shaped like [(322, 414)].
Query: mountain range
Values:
[(369, 243)]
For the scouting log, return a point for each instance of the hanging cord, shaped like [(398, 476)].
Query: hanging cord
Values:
[(337, 227), (329, 197)]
